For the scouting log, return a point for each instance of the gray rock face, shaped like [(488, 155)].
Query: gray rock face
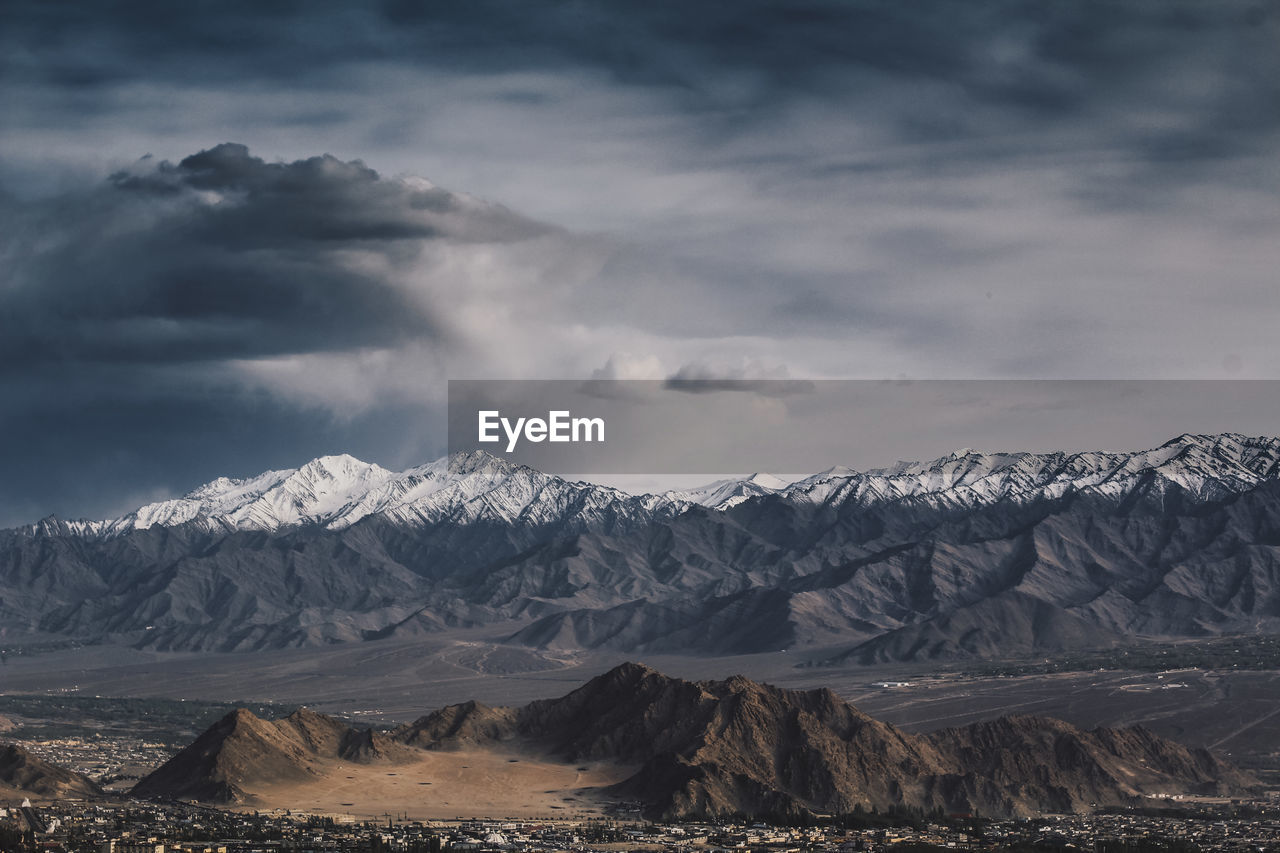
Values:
[(971, 554)]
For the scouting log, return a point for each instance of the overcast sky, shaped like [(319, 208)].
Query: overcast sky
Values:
[(239, 235)]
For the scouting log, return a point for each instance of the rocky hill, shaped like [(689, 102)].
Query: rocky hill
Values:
[(726, 747), (24, 775), (242, 750)]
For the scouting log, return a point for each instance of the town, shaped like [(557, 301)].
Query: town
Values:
[(189, 828)]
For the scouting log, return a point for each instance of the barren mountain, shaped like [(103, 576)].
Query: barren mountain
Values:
[(242, 751), (24, 775), (963, 555), (721, 747)]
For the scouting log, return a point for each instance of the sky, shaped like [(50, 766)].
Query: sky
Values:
[(238, 235)]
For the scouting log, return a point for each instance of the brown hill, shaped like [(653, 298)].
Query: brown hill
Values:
[(24, 775), (733, 746), (458, 725), (241, 752), (721, 747), (1023, 764)]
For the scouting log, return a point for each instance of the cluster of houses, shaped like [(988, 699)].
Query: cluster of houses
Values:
[(188, 828)]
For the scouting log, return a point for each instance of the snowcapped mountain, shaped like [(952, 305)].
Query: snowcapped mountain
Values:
[(312, 494), (1205, 466), (334, 492), (972, 553), (723, 494)]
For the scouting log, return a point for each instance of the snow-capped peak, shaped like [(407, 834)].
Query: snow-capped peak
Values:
[(338, 491), (723, 494), (267, 501), (1204, 465)]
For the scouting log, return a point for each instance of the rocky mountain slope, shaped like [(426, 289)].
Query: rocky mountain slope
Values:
[(25, 775), (733, 746), (242, 750), (965, 555)]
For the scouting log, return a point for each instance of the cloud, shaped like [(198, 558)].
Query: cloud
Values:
[(164, 319), (224, 255), (747, 378), (854, 189), (626, 365), (1172, 86)]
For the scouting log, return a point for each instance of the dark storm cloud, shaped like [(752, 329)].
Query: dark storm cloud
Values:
[(1033, 59), (852, 188), (129, 309), (1135, 97), (224, 256)]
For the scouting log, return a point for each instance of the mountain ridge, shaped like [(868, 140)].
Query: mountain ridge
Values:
[(716, 748), (300, 496), (968, 555)]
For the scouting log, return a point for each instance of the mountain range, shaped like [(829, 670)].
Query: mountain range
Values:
[(972, 554), (696, 749)]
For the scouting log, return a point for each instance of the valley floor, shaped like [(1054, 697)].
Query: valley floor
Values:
[(503, 782)]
